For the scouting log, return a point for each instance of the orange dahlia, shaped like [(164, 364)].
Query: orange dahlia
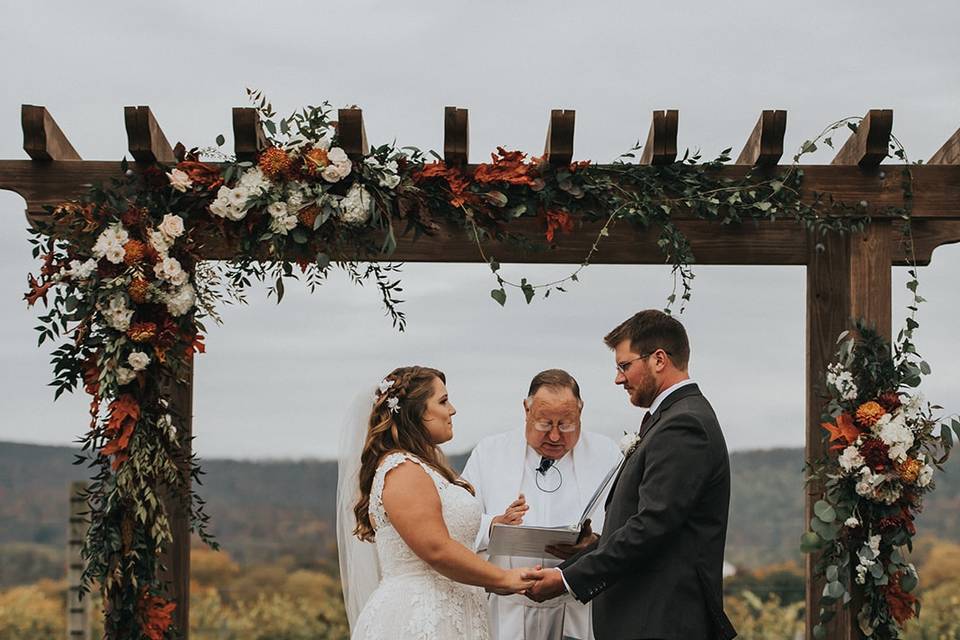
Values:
[(314, 161), (308, 215), (909, 470), (142, 331), (135, 251), (869, 413), (138, 290), (275, 162)]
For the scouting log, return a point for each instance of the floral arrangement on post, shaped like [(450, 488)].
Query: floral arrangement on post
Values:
[(884, 446)]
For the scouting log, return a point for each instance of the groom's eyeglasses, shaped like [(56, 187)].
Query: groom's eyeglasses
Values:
[(623, 366)]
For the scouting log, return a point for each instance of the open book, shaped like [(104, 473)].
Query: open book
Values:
[(530, 541)]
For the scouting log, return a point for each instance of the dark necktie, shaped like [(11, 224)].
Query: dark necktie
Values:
[(545, 464), (646, 418)]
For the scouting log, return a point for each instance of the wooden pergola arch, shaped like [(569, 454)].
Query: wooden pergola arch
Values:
[(848, 277)]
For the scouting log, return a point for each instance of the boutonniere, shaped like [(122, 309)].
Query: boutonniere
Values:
[(629, 442)]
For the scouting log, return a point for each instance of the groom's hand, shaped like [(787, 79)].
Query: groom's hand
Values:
[(549, 584), (564, 551)]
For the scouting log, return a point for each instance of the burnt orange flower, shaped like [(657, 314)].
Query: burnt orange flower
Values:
[(315, 161), (558, 221), (142, 331), (202, 174), (844, 432), (909, 470), (133, 217), (138, 290), (869, 413), (156, 615), (134, 252), (308, 215), (275, 162)]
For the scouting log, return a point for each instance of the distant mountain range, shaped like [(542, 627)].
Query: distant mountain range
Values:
[(262, 511)]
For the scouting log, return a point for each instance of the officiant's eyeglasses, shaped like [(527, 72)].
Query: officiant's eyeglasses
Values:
[(563, 427)]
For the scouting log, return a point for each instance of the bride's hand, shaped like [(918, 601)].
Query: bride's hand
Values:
[(513, 581)]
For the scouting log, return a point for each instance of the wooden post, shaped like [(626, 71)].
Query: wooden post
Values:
[(78, 609), (176, 560), (848, 280)]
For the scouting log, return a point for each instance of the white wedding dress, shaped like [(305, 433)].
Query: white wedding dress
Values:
[(413, 601)]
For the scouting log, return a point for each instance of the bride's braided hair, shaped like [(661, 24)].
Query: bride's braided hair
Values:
[(399, 428)]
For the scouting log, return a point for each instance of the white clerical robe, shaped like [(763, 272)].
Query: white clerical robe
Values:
[(503, 466)]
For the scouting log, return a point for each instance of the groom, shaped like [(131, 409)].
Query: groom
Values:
[(655, 571)]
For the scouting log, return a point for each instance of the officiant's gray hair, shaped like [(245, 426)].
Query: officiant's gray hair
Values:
[(554, 379)]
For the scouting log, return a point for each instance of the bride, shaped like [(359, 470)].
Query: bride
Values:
[(423, 581)]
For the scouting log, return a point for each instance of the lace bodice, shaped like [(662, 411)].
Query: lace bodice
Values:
[(461, 513), (413, 601)]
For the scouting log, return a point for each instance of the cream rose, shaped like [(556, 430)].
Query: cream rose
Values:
[(172, 226)]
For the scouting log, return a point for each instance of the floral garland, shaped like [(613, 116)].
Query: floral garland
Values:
[(130, 291), (884, 447)]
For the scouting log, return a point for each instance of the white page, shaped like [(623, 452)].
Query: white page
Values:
[(520, 540)]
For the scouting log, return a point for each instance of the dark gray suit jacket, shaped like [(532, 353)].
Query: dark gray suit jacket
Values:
[(656, 571)]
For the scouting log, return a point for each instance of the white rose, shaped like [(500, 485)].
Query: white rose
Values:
[(179, 180), (172, 226), (236, 213), (219, 208), (168, 269), (331, 173), (238, 197), (277, 209), (125, 375), (115, 253), (159, 241), (851, 522), (138, 360), (627, 442), (337, 156), (283, 225), (118, 319), (182, 301)]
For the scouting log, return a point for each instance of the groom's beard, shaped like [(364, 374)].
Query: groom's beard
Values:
[(644, 393)]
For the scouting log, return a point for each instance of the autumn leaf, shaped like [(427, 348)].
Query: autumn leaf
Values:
[(37, 291)]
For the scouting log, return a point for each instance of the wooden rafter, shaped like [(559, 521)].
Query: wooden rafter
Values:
[(353, 135), (558, 149), (145, 138), (42, 137), (869, 145), (248, 136), (661, 146), (949, 153), (764, 148), (456, 137)]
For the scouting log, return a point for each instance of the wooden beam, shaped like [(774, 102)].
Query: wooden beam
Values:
[(42, 137), (456, 136), (764, 148), (78, 608), (661, 146), (949, 153), (558, 149), (353, 136), (248, 136), (869, 145), (176, 557), (145, 138)]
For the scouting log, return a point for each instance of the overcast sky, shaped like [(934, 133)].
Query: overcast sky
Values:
[(275, 380)]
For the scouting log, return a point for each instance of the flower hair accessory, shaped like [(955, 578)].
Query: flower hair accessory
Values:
[(393, 403)]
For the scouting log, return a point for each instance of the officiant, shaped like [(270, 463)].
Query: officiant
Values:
[(542, 475)]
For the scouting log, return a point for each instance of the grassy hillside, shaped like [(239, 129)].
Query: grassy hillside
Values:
[(263, 511)]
